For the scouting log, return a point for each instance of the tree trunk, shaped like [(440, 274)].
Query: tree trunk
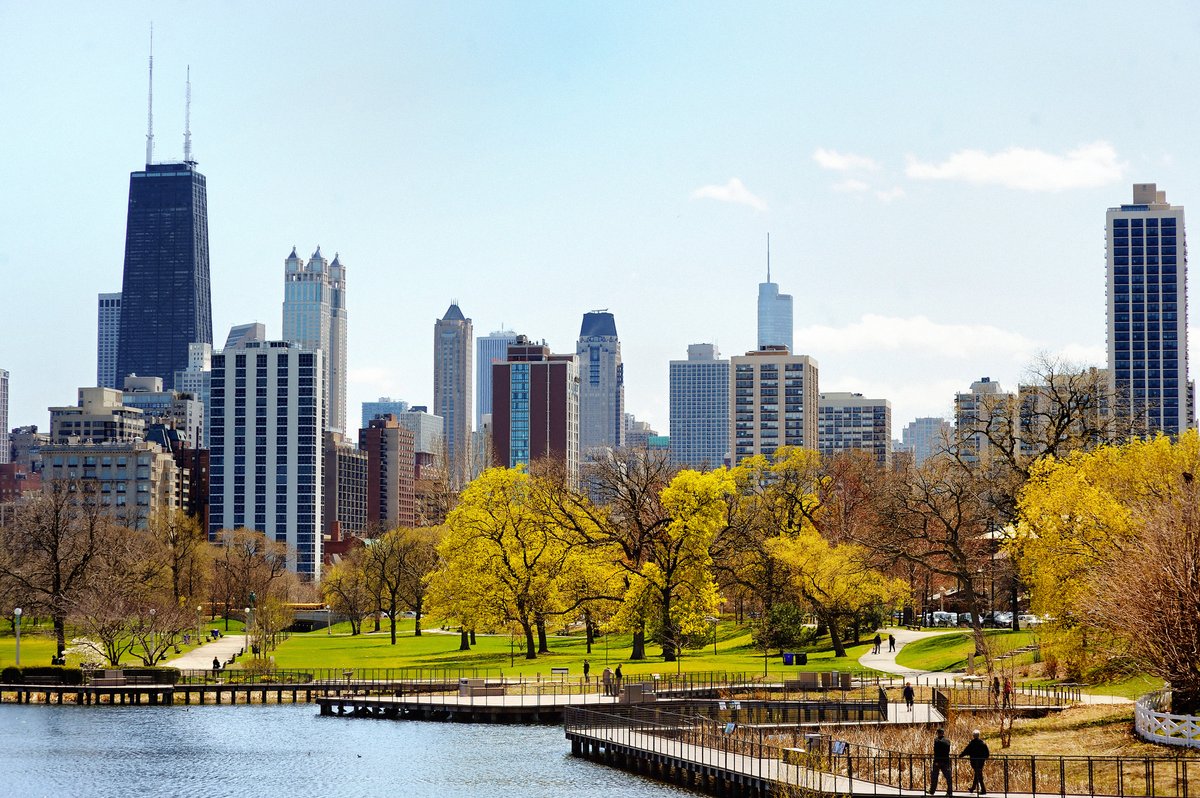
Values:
[(638, 650), (464, 640), (835, 639), (417, 619), (543, 644), (60, 633), (472, 635), (392, 617), (530, 643)]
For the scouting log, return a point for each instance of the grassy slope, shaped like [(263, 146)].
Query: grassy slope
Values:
[(949, 652)]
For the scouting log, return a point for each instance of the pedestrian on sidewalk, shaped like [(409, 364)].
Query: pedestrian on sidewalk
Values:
[(1008, 693), (878, 642), (606, 678), (617, 680), (909, 695), (216, 665), (891, 643), (941, 763), (587, 668), (977, 752)]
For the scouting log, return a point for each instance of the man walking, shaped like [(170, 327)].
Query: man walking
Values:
[(941, 763), (977, 753), (891, 644), (909, 695), (587, 668), (606, 678), (878, 642)]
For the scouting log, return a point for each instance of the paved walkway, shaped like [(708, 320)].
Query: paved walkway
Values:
[(201, 657), (886, 661)]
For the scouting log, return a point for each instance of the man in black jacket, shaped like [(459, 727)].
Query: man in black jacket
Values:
[(977, 751), (941, 763)]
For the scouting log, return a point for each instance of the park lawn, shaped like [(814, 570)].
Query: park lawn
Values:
[(438, 649), (36, 648), (948, 652), (1134, 686)]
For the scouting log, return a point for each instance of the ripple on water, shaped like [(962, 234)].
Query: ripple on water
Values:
[(291, 751)]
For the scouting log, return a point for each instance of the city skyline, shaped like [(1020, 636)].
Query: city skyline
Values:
[(651, 165)]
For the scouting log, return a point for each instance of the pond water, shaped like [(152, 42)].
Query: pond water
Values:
[(288, 750)]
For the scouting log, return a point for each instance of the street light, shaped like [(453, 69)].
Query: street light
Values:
[(246, 633), (328, 620), (153, 636), (713, 620), (199, 623), (17, 616)]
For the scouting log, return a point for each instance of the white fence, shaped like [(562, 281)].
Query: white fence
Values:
[(1156, 725)]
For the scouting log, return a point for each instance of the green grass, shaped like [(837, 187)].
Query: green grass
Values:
[(1129, 687), (949, 652), (438, 649), (38, 646)]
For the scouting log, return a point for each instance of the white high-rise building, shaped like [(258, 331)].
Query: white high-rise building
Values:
[(1147, 311), (699, 389), (489, 349), (197, 380), (108, 335), (314, 316), (267, 447), (850, 422), (774, 397), (601, 384), (986, 406)]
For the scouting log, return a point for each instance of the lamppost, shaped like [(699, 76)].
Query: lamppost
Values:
[(17, 615), (153, 636), (713, 620), (246, 633), (199, 623), (328, 620)]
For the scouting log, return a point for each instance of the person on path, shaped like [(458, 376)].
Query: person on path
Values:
[(996, 692), (977, 752), (1008, 692), (878, 642), (617, 676), (607, 679), (587, 668), (891, 643), (941, 763), (909, 695), (216, 664)]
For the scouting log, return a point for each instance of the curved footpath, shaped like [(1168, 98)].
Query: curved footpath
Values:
[(886, 661), (200, 658)]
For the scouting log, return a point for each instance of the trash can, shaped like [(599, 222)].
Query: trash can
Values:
[(788, 657), (802, 658)]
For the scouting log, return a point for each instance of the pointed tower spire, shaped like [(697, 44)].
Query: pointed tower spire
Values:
[(187, 120), (768, 257), (150, 104)]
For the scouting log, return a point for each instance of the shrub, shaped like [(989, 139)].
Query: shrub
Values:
[(157, 675), (11, 675), (59, 673)]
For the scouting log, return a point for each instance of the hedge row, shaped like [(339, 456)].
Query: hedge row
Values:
[(58, 674)]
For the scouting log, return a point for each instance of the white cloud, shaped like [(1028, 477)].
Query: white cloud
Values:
[(1087, 166), (733, 191), (842, 161), (887, 195), (918, 336), (850, 186)]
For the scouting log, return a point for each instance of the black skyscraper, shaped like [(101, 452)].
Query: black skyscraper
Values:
[(165, 303)]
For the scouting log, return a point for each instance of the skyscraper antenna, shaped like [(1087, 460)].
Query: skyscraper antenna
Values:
[(150, 104), (768, 257), (187, 120)]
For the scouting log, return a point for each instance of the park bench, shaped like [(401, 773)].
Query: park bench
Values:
[(47, 681), (109, 677), (560, 671)]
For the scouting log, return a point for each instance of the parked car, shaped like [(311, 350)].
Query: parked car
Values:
[(945, 619), (1027, 620)]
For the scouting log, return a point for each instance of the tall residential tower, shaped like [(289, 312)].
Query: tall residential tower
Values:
[(700, 408), (774, 312), (489, 349), (1147, 311), (108, 335)]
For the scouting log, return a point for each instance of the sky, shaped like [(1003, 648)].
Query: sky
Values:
[(933, 176)]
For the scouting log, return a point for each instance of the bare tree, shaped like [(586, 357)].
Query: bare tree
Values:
[(51, 544)]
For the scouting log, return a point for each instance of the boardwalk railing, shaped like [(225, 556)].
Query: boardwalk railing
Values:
[(1154, 721), (807, 760)]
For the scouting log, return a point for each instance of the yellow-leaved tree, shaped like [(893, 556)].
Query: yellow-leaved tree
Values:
[(1085, 524), (836, 581), (673, 592)]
